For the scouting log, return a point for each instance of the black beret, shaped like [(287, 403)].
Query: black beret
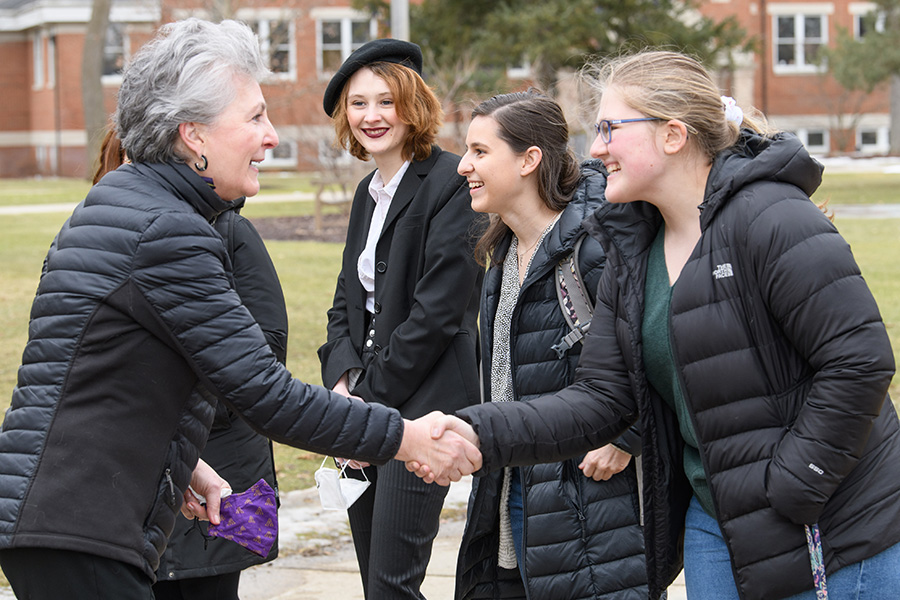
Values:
[(383, 50)]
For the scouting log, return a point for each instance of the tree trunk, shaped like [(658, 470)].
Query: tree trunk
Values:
[(95, 117)]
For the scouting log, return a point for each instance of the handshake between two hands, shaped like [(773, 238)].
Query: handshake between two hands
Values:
[(439, 448)]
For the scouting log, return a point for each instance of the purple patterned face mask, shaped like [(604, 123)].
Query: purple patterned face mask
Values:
[(249, 519)]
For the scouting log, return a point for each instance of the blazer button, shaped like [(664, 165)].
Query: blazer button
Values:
[(381, 267), (369, 343), (377, 348), (377, 308)]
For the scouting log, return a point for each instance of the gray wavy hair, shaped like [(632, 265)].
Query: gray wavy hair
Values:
[(185, 74)]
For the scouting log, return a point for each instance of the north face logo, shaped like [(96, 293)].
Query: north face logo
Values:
[(723, 271)]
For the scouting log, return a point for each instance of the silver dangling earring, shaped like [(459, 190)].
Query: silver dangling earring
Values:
[(205, 164)]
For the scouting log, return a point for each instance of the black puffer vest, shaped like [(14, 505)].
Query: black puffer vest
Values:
[(583, 538)]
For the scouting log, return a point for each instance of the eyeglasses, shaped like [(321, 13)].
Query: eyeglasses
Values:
[(604, 127)]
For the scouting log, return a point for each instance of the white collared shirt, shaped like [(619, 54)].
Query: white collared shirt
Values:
[(382, 195)]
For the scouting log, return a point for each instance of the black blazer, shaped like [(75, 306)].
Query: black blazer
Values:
[(427, 286)]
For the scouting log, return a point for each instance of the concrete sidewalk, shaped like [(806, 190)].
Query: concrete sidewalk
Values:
[(317, 561)]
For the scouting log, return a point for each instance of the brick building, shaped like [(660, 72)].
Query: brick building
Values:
[(784, 81), (41, 43)]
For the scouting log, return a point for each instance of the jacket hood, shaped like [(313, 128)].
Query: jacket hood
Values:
[(781, 158)]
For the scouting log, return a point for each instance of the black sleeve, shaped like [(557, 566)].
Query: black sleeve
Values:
[(256, 282)]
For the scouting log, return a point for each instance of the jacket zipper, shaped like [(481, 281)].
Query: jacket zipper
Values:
[(171, 485)]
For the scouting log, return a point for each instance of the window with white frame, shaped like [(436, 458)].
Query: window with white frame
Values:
[(872, 140), (114, 46), (276, 41), (798, 40), (282, 155), (340, 36), (817, 141), (37, 60), (866, 23)]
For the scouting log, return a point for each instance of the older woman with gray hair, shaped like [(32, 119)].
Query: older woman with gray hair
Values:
[(137, 333)]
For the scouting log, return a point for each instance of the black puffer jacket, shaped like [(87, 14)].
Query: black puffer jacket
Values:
[(785, 365), (582, 538), (134, 309), (237, 453)]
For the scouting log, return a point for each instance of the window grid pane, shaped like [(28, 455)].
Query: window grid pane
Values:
[(811, 53), (331, 60), (786, 28), (812, 26), (339, 38), (786, 54), (360, 33), (331, 33), (280, 46), (799, 41), (815, 138), (114, 50)]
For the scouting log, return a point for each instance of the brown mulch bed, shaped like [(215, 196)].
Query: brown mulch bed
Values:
[(334, 228)]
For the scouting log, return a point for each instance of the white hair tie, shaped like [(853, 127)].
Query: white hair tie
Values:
[(733, 112)]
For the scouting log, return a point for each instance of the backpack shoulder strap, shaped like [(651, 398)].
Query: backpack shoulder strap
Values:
[(575, 304)]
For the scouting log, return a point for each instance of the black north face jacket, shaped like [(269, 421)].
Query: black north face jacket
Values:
[(136, 310), (784, 362)]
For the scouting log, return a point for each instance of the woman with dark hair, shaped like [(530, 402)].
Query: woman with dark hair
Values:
[(402, 330), (562, 530)]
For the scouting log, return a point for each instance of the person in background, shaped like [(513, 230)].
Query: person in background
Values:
[(733, 320), (194, 565), (563, 530), (112, 156), (402, 330), (136, 334)]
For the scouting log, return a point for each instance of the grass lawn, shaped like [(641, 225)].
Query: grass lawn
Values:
[(838, 188), (859, 188), (308, 271), (53, 190)]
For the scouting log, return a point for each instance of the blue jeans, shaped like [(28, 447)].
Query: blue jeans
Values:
[(517, 518), (708, 576)]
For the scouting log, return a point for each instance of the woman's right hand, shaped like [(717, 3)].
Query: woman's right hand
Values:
[(446, 452), (603, 463), (342, 387)]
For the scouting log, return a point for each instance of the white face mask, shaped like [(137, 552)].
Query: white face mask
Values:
[(336, 491)]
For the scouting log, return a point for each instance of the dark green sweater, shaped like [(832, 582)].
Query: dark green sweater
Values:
[(660, 364)]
